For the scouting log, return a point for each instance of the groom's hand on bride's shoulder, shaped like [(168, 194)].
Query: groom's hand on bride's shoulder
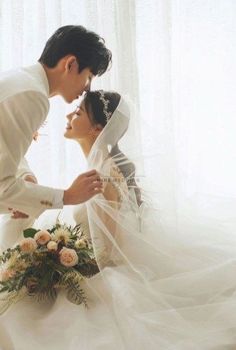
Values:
[(83, 188)]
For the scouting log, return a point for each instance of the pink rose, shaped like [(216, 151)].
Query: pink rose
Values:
[(28, 245), (42, 237), (68, 257), (6, 275)]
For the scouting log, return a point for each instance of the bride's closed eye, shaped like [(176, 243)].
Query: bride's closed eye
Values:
[(77, 111), (80, 108)]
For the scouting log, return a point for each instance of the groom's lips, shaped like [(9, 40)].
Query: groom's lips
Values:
[(79, 95)]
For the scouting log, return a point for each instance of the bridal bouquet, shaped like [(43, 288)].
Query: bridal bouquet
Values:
[(46, 261)]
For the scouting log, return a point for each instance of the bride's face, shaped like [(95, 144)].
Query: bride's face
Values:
[(79, 125)]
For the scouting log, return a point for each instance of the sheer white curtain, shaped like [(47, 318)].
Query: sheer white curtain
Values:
[(176, 60)]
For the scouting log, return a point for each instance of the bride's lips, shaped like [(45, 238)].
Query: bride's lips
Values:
[(68, 127)]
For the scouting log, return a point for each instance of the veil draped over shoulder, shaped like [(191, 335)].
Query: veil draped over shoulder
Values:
[(164, 292)]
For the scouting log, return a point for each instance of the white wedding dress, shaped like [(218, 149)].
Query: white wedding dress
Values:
[(155, 289), (192, 304)]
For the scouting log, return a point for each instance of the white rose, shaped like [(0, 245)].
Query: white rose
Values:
[(52, 245)]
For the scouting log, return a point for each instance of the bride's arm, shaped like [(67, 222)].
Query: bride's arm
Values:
[(107, 214), (115, 187)]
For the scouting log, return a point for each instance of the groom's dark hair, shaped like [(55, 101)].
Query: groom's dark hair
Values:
[(88, 47)]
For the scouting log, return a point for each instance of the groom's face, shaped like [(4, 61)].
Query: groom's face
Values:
[(73, 83)]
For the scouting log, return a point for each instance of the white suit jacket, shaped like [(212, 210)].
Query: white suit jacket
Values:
[(24, 106)]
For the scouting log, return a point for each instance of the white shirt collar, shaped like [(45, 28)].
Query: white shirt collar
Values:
[(43, 76), (39, 74)]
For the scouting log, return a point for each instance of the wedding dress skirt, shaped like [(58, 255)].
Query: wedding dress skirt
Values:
[(190, 306)]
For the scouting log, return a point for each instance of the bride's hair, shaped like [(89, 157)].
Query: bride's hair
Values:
[(95, 109)]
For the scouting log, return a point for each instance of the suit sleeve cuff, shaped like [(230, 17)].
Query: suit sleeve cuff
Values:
[(58, 199)]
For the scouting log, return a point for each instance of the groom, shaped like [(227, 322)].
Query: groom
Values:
[(72, 57)]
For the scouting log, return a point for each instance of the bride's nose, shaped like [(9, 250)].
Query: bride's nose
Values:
[(69, 116)]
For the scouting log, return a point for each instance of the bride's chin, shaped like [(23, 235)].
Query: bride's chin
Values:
[(67, 134)]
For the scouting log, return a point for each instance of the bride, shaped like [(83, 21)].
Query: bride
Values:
[(151, 291)]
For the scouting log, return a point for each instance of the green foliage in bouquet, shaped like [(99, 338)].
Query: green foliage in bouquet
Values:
[(46, 261)]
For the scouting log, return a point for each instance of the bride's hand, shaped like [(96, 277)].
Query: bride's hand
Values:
[(17, 214)]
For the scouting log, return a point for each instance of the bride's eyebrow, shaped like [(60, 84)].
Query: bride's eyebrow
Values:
[(80, 107)]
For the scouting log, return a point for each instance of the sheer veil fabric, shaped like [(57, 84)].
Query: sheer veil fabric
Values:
[(154, 288), (177, 292)]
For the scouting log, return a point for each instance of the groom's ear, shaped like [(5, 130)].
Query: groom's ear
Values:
[(71, 64)]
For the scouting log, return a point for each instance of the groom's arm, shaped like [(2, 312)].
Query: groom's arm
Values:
[(20, 116), (24, 169), (26, 174)]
